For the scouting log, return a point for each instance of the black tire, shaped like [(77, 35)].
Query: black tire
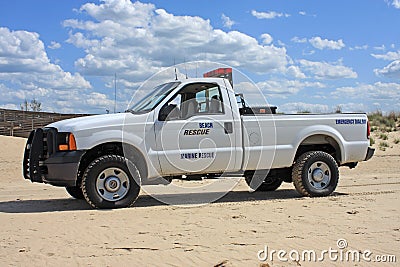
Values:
[(111, 181), (269, 183), (315, 174), (75, 192)]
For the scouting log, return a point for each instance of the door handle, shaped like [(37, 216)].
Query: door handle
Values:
[(228, 127)]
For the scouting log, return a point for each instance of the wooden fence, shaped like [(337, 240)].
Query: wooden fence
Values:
[(21, 123)]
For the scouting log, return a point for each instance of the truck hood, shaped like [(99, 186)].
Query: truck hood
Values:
[(96, 122)]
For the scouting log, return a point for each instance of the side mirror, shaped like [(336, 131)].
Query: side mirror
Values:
[(168, 112)]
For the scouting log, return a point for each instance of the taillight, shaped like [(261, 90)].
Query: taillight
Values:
[(368, 130)]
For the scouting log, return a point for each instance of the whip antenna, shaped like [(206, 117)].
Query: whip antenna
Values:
[(176, 75), (184, 60)]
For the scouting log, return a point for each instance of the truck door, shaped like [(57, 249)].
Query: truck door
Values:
[(198, 135)]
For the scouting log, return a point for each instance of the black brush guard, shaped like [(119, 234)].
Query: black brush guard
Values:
[(39, 147)]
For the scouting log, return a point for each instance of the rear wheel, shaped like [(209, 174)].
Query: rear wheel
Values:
[(75, 192), (109, 183), (260, 181), (315, 174)]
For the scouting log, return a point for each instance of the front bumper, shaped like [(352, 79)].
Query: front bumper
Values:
[(62, 168), (370, 153), (44, 164)]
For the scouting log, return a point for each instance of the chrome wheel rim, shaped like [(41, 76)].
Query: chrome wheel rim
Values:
[(319, 175), (112, 184)]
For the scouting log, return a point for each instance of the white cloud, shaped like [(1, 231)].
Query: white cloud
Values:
[(359, 47), (321, 44), (298, 107), (54, 45), (295, 72), (379, 95), (135, 40), (26, 72), (323, 70), (299, 40), (377, 91), (268, 15), (392, 70), (304, 13), (9, 106), (266, 38), (388, 56), (23, 51), (308, 53), (227, 21), (354, 107), (252, 93), (24, 60), (380, 48), (280, 43), (121, 11), (284, 88), (396, 4), (55, 100), (98, 99)]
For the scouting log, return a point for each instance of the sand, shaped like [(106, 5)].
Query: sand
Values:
[(42, 225)]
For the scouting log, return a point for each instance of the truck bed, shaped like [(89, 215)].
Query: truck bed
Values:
[(278, 136)]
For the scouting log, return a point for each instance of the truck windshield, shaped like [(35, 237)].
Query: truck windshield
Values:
[(150, 101)]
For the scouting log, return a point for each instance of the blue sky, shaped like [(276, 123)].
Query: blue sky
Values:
[(303, 55)]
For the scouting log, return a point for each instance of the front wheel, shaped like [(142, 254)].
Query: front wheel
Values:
[(75, 192), (260, 181), (315, 174), (111, 181)]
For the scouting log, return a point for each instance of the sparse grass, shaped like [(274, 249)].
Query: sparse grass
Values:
[(385, 123), (393, 116), (388, 129), (382, 126), (383, 136), (383, 145), (371, 141)]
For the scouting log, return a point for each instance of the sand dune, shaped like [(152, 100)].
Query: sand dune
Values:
[(42, 225)]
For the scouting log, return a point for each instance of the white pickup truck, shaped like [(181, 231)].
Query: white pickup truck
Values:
[(194, 128)]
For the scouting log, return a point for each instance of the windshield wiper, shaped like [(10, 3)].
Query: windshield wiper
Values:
[(138, 112), (130, 110)]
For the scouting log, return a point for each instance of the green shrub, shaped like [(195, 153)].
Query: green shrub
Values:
[(385, 123), (371, 141), (383, 136), (396, 141), (393, 116), (304, 112), (383, 144)]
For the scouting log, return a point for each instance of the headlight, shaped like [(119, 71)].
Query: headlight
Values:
[(66, 141)]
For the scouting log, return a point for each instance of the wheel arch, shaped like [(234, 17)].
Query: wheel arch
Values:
[(113, 148), (322, 141)]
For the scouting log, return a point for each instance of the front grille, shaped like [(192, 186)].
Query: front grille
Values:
[(39, 147)]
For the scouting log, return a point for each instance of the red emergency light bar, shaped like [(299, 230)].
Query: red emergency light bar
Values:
[(217, 72), (220, 73)]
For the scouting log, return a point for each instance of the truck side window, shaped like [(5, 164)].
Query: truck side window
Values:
[(210, 101), (196, 99)]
